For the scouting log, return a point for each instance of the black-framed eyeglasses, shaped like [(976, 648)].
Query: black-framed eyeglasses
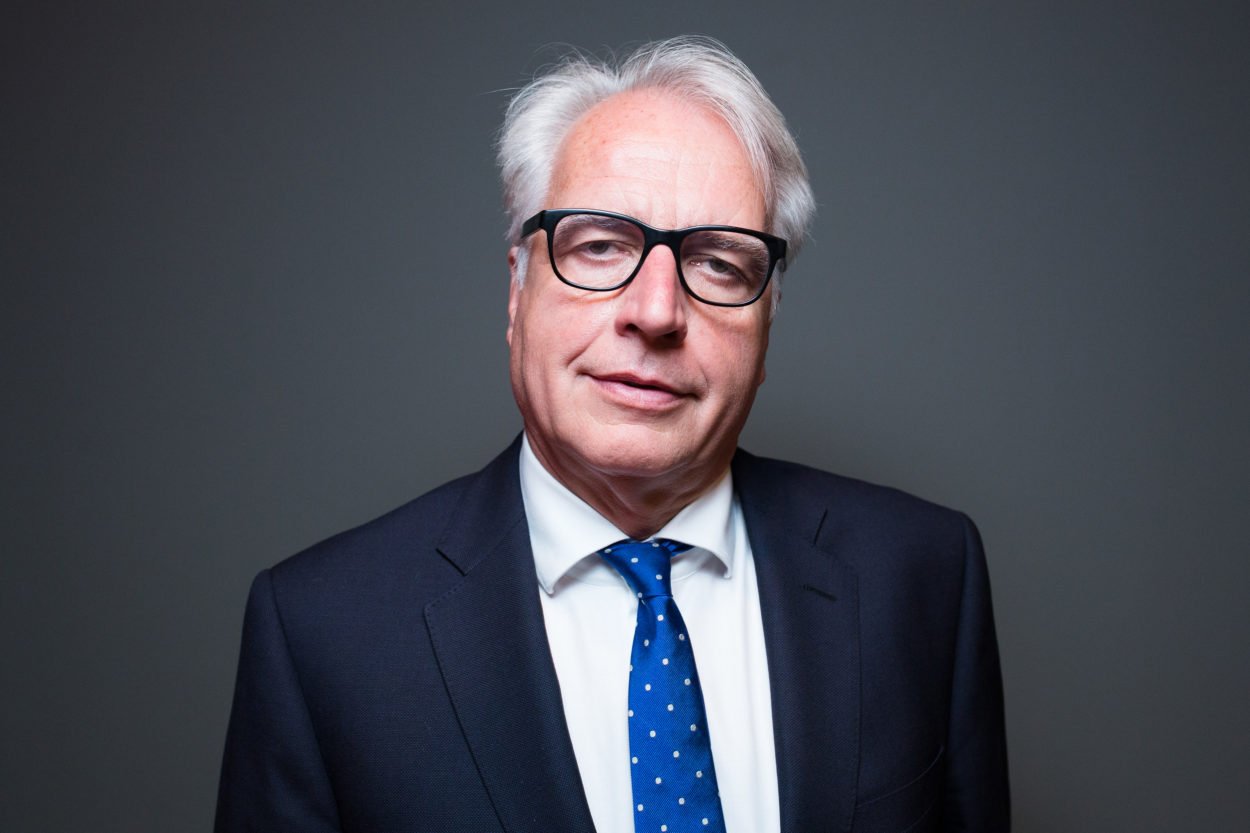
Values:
[(725, 266)]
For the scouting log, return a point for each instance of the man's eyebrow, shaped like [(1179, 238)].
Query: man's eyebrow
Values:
[(733, 240), (596, 220), (728, 241)]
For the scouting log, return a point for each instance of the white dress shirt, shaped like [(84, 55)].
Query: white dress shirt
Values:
[(590, 614)]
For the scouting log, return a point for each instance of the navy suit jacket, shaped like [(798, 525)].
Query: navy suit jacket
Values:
[(397, 677)]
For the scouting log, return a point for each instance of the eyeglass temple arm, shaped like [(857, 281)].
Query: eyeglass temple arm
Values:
[(533, 224)]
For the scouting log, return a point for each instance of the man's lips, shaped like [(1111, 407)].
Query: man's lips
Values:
[(636, 391), (636, 381)]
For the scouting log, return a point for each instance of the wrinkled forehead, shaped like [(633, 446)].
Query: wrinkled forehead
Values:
[(658, 157)]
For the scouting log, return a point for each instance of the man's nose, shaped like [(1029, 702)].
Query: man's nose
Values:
[(654, 302)]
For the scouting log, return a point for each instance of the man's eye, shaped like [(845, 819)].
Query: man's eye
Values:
[(603, 248), (714, 267)]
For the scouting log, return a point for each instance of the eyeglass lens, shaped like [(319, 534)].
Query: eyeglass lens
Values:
[(598, 252)]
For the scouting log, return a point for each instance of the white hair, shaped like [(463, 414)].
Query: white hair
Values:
[(699, 69)]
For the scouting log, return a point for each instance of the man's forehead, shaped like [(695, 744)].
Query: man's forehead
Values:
[(659, 157)]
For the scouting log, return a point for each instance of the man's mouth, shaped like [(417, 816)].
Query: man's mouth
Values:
[(639, 382), (642, 392)]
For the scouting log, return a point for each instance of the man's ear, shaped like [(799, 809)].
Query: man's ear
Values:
[(514, 291)]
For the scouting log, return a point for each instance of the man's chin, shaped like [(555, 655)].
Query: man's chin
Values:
[(636, 452)]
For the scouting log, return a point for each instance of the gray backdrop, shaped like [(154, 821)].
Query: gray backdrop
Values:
[(254, 289)]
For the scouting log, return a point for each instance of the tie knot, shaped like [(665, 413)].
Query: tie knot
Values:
[(645, 565)]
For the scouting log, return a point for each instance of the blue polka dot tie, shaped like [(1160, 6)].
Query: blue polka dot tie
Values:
[(670, 749)]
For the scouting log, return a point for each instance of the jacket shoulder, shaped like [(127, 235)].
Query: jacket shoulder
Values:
[(852, 517), (802, 483), (401, 547), (411, 523)]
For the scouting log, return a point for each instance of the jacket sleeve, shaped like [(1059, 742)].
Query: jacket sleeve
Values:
[(273, 778), (977, 797)]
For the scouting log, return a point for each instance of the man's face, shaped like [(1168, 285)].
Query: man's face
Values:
[(644, 381)]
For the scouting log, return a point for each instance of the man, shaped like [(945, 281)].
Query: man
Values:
[(517, 650)]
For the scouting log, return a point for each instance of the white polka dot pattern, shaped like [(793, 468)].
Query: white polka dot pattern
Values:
[(674, 783)]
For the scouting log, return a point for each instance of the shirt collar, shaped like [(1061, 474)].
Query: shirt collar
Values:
[(564, 529)]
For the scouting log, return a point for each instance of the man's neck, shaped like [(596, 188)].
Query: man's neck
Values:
[(637, 504)]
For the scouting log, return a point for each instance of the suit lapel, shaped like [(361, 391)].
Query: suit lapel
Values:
[(491, 644), (810, 609)]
